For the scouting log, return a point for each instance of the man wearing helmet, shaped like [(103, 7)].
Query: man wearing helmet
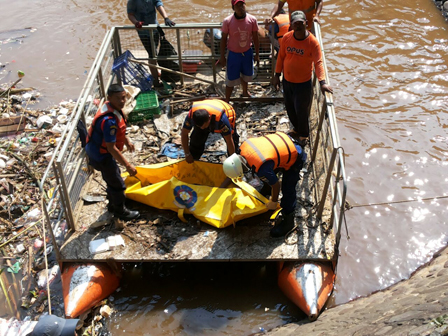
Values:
[(265, 155), (211, 115)]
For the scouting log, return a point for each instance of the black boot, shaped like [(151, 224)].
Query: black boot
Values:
[(286, 225), (124, 213), (111, 208)]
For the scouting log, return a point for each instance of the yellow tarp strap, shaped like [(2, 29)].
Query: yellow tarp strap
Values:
[(255, 194), (180, 214)]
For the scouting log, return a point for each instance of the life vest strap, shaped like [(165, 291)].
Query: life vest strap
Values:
[(276, 149), (287, 146)]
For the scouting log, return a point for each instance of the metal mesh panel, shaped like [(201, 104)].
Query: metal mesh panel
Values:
[(192, 49), (70, 158)]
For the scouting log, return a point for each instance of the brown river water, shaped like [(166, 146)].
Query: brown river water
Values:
[(387, 61)]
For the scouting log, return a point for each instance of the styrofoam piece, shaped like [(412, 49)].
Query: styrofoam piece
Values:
[(20, 248), (34, 214), (42, 276), (63, 111), (44, 121), (115, 241), (98, 246)]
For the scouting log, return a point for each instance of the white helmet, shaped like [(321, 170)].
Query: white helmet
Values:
[(233, 166)]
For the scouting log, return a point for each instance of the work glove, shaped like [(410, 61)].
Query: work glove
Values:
[(169, 23), (139, 24), (271, 205)]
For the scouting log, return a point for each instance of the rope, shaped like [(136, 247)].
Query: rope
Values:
[(348, 206)]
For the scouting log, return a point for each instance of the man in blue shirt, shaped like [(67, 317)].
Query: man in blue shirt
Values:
[(141, 13), (106, 138)]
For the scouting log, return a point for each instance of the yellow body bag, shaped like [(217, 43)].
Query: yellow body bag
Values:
[(194, 189)]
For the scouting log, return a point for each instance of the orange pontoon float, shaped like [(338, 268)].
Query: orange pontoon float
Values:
[(83, 286), (308, 285)]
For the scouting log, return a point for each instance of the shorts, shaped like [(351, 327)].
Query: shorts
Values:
[(239, 65)]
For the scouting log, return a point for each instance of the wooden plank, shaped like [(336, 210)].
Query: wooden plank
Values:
[(10, 121), (12, 125)]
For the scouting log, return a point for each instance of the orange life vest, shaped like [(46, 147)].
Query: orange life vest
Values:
[(277, 147), (107, 109), (282, 21), (216, 108)]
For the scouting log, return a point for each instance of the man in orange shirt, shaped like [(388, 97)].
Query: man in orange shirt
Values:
[(299, 52), (311, 8)]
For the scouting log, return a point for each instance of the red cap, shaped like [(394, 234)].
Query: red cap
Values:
[(234, 2)]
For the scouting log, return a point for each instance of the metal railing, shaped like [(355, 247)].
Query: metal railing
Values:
[(326, 141), (196, 46), (68, 169)]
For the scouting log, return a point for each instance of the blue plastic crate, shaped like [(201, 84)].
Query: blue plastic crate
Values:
[(132, 73)]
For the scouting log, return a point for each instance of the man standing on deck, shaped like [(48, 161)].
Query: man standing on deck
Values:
[(211, 115), (141, 13), (311, 8), (266, 155), (299, 52), (239, 30), (105, 141)]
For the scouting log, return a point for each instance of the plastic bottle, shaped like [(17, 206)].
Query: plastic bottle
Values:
[(166, 106)]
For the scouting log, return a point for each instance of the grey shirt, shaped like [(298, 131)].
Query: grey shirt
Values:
[(144, 10)]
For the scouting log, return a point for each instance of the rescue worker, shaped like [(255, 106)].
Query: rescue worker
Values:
[(210, 115), (278, 27), (311, 8), (264, 156), (105, 141), (299, 55)]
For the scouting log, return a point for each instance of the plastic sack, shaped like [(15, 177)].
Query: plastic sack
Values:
[(131, 93)]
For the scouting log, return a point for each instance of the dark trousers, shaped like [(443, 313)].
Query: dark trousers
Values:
[(199, 137), (145, 37), (289, 182), (297, 103), (112, 176)]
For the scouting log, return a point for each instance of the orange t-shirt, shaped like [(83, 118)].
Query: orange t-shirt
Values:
[(306, 6), (296, 58)]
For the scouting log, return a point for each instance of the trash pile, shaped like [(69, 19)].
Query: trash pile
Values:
[(28, 138)]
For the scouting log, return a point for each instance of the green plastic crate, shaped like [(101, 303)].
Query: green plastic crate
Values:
[(147, 106)]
